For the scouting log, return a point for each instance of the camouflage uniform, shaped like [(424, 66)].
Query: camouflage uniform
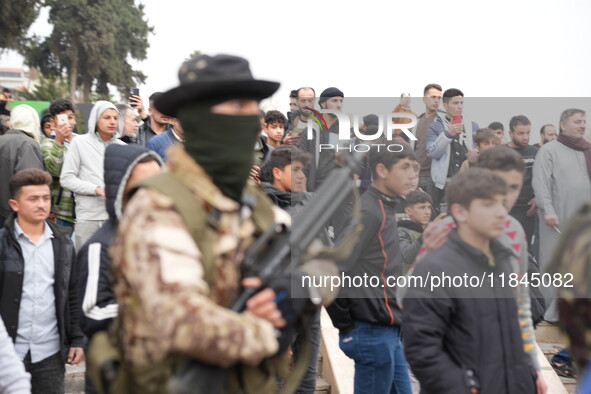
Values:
[(166, 306)]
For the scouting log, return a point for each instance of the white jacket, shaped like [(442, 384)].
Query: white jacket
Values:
[(83, 168)]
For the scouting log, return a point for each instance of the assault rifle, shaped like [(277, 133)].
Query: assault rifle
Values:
[(278, 251)]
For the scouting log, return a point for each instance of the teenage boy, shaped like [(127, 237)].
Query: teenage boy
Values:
[(449, 142), (284, 182), (484, 140), (432, 98), (460, 338), (525, 208), (154, 121), (507, 164), (368, 318), (283, 177), (54, 151), (82, 171), (418, 207), (274, 127), (499, 130), (38, 299)]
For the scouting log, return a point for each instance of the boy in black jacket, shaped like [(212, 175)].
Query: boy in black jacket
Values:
[(462, 334), (418, 207), (282, 176), (283, 180), (367, 315)]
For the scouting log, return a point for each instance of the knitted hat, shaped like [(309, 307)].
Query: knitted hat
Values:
[(330, 92)]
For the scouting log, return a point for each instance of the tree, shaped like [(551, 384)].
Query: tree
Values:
[(92, 41), (196, 52), (16, 17), (48, 89)]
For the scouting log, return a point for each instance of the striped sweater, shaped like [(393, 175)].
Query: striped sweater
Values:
[(62, 199)]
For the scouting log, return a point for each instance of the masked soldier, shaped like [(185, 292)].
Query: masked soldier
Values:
[(180, 242)]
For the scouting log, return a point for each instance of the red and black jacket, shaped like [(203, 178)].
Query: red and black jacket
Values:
[(375, 258)]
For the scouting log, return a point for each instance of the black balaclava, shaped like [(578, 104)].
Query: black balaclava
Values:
[(222, 144)]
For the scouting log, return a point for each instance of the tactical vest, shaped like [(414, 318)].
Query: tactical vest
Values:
[(106, 364)]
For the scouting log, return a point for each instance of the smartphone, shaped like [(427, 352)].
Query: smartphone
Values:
[(134, 92), (456, 119), (62, 119), (443, 207)]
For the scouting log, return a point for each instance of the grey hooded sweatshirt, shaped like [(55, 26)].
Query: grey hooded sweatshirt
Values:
[(82, 172)]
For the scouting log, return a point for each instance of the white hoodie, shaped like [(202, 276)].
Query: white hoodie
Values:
[(83, 167)]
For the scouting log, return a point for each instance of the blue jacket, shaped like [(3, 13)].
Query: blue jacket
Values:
[(438, 147), (161, 143)]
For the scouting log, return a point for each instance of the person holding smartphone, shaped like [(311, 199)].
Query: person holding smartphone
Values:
[(450, 141), (54, 150), (154, 122)]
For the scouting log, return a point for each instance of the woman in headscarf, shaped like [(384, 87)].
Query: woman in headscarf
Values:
[(19, 149)]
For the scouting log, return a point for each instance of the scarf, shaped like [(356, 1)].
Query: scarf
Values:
[(579, 144), (221, 144)]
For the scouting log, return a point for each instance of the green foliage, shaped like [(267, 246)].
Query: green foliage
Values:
[(96, 96), (92, 41), (16, 16), (48, 89), (80, 125), (38, 54), (196, 52)]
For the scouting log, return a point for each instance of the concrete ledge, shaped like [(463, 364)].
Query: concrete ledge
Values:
[(338, 369), (75, 378), (555, 385)]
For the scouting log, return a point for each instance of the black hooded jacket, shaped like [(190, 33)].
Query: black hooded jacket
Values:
[(95, 289)]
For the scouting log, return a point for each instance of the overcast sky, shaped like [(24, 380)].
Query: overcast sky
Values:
[(378, 48)]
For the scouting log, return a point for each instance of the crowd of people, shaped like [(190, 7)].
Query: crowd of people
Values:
[(136, 229)]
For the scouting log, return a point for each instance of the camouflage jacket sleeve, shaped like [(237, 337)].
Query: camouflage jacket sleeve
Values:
[(165, 303)]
